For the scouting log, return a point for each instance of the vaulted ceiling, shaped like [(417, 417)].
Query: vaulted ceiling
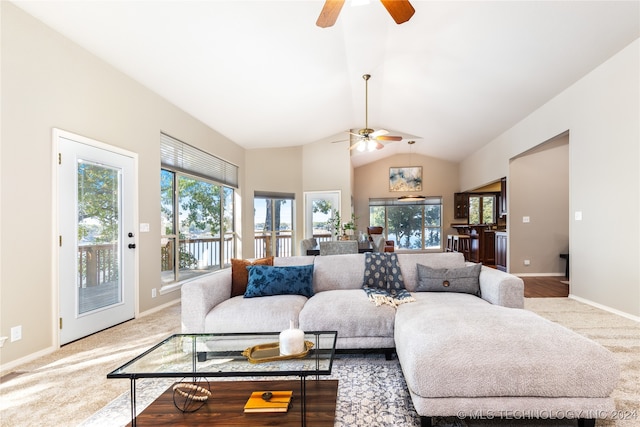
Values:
[(455, 76)]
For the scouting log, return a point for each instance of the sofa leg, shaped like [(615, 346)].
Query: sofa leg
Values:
[(425, 421), (586, 422), (388, 354)]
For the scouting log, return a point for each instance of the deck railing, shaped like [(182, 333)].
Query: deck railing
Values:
[(262, 246), (199, 253), (98, 264)]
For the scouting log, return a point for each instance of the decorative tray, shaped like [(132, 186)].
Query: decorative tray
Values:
[(271, 352)]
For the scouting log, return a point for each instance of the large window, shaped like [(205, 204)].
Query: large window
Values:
[(411, 225), (197, 214)]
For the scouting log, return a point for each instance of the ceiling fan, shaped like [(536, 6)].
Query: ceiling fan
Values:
[(369, 139), (400, 10)]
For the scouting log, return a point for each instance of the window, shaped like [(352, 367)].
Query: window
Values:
[(411, 225), (197, 213), (273, 224), (482, 209)]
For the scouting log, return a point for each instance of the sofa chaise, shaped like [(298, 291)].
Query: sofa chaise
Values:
[(478, 355)]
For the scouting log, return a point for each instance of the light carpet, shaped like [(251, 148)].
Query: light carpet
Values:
[(68, 386)]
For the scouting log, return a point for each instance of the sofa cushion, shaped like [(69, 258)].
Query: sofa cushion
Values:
[(285, 261), (333, 272), (408, 264), (268, 280), (240, 274), (462, 279), (458, 345), (266, 314), (349, 312)]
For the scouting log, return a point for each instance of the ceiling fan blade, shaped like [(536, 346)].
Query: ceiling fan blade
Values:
[(388, 138), (400, 10), (329, 13), (378, 133)]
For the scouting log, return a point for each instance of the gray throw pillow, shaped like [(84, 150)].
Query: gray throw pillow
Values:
[(461, 280)]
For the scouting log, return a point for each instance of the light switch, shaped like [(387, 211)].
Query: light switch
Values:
[(526, 219), (144, 227), (578, 215)]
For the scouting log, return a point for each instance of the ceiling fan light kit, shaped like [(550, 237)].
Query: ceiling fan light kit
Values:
[(369, 139)]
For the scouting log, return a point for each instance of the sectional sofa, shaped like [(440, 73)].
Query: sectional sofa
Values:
[(462, 352)]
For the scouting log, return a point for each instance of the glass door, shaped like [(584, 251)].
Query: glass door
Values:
[(273, 226), (96, 269)]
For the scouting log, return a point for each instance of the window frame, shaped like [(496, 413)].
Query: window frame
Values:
[(481, 219), (184, 161), (386, 203)]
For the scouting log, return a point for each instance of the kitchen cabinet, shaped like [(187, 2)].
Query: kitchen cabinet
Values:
[(460, 205), (489, 247), (503, 197), (501, 250)]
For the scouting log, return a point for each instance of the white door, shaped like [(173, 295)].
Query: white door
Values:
[(96, 218)]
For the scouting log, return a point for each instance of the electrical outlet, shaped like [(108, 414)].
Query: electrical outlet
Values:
[(16, 333), (154, 293), (527, 262)]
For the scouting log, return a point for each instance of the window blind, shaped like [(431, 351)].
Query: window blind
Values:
[(182, 157)]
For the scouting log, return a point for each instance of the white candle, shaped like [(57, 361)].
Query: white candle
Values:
[(291, 341)]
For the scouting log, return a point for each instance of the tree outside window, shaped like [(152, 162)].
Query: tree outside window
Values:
[(199, 238), (482, 209), (410, 226)]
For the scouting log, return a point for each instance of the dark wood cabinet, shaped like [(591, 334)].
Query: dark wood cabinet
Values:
[(460, 205), (503, 197), (501, 250), (489, 247)]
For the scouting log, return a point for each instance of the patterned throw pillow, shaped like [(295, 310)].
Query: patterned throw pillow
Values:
[(461, 280), (291, 280), (240, 275)]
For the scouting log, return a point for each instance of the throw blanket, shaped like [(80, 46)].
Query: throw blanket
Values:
[(383, 280)]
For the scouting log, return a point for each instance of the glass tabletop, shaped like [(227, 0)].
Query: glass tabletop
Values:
[(221, 355)]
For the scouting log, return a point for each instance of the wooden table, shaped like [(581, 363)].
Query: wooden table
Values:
[(225, 407)]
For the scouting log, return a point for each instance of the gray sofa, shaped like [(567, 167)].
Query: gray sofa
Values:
[(459, 353)]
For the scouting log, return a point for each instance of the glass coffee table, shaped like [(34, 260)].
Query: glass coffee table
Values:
[(228, 355)]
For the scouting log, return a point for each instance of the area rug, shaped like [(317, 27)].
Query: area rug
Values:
[(371, 393)]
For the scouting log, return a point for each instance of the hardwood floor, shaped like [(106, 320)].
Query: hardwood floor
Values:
[(545, 286)]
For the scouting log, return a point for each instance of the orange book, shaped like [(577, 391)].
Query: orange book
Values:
[(269, 401)]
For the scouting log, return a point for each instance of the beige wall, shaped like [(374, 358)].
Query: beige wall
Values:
[(541, 180), (327, 167), (277, 170), (320, 166), (601, 111), (439, 178), (48, 82)]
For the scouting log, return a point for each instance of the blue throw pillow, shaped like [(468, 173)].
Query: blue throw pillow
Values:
[(290, 280)]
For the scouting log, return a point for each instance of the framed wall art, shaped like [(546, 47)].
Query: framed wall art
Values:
[(405, 178)]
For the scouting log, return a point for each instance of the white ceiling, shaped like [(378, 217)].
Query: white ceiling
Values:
[(263, 74)]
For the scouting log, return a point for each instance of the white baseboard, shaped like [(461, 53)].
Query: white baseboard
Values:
[(605, 308), (5, 368), (538, 274)]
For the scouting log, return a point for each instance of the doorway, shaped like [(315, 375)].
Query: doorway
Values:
[(96, 209), (273, 224), (319, 208)]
